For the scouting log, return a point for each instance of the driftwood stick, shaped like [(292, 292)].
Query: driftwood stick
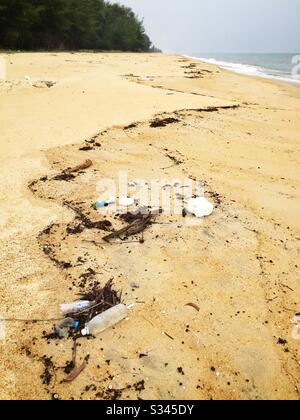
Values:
[(75, 372), (87, 164), (136, 227)]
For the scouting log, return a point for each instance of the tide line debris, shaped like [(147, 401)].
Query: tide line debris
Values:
[(100, 299), (87, 164), (138, 225), (68, 174), (163, 122), (84, 221)]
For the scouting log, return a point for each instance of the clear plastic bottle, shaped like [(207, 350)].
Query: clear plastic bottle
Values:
[(106, 320)]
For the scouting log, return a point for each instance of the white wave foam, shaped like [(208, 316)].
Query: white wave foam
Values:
[(245, 69)]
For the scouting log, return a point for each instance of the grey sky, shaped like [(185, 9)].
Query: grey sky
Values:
[(221, 26)]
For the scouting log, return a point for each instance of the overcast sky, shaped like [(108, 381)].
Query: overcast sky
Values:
[(221, 26)]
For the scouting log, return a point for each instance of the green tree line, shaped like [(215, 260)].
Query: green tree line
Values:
[(70, 25)]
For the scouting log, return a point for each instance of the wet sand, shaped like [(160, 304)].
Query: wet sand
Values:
[(240, 136)]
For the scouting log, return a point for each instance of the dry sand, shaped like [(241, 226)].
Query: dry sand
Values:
[(240, 266)]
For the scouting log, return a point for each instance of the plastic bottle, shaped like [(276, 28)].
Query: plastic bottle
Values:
[(74, 307), (100, 204), (106, 320)]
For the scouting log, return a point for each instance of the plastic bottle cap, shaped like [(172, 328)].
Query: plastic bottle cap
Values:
[(84, 332)]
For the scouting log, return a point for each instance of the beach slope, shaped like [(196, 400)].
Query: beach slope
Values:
[(238, 268)]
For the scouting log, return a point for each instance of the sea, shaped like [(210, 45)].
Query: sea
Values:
[(284, 67)]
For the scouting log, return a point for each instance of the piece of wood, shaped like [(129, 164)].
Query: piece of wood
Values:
[(134, 228), (87, 164), (193, 305), (75, 372)]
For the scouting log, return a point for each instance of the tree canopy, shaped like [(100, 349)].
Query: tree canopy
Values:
[(70, 25)]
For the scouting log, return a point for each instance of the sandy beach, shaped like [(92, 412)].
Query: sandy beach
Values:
[(239, 267)]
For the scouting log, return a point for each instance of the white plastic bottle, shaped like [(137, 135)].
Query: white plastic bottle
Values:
[(105, 320), (74, 307)]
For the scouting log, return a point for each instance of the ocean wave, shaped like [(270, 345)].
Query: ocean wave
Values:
[(248, 69)]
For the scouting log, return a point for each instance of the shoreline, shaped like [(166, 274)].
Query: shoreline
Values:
[(240, 136), (229, 67)]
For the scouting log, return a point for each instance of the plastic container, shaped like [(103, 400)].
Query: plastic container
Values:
[(199, 207), (100, 204), (63, 326), (74, 307), (105, 320)]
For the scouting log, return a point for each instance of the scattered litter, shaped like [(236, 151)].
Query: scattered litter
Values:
[(85, 221), (105, 320), (137, 226), (199, 207), (138, 220), (193, 305), (139, 213), (62, 327), (101, 204), (100, 300), (78, 306)]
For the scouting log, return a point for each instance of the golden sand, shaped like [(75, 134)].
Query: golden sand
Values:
[(240, 266)]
